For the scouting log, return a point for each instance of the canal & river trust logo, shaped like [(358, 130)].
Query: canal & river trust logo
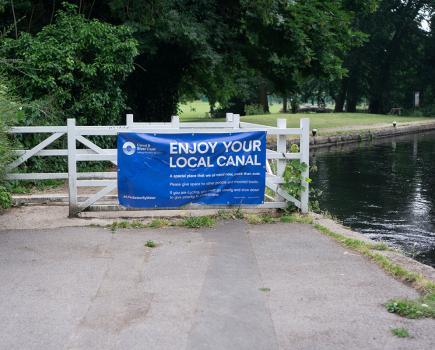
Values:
[(129, 148)]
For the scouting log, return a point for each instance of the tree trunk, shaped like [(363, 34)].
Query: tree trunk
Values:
[(284, 104), (376, 107), (262, 98), (341, 96), (351, 106)]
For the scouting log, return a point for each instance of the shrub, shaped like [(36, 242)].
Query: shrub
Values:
[(82, 62), (254, 109)]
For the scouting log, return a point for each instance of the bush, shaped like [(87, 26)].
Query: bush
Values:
[(82, 63), (254, 109), (428, 111)]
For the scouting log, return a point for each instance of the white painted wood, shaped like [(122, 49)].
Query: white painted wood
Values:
[(88, 183), (64, 152), (99, 195), (275, 179), (98, 175), (251, 125), (229, 117), (34, 150), (268, 168), (96, 131), (281, 147), (269, 198), (305, 158), (37, 129), (94, 147), (60, 176), (284, 156), (129, 119), (57, 199), (175, 122), (236, 121), (72, 168), (211, 125), (95, 157), (37, 176)]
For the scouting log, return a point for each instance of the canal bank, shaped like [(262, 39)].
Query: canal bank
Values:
[(358, 134)]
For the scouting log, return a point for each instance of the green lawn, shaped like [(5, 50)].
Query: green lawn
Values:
[(317, 120)]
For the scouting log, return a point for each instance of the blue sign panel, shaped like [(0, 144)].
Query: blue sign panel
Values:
[(170, 170)]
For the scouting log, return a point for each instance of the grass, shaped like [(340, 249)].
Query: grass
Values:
[(401, 332), (235, 214), (317, 120), (264, 289), (197, 221), (423, 307)]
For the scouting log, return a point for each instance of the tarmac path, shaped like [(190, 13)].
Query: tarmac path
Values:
[(89, 288)]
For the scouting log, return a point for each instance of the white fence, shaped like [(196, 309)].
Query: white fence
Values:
[(108, 180)]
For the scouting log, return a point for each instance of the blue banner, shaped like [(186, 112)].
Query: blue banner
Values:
[(170, 170)]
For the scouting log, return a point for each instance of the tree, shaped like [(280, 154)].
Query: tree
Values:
[(389, 65), (205, 45), (211, 45), (82, 62)]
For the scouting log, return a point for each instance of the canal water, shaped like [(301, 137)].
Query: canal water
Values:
[(384, 189)]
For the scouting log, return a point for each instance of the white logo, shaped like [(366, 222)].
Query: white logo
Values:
[(129, 148)]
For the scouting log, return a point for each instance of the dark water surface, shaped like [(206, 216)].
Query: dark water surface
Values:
[(384, 189)]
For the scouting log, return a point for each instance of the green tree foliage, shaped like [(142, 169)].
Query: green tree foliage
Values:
[(394, 62), (211, 46), (219, 47), (82, 63)]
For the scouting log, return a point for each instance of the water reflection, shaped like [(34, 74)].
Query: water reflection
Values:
[(384, 189)]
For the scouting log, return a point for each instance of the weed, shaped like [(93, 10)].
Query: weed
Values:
[(401, 332), (198, 221), (189, 241), (95, 225), (150, 244), (158, 223), (413, 251), (296, 217), (136, 224), (267, 219), (254, 219), (223, 214), (265, 289), (124, 224), (170, 242), (420, 308), (113, 230)]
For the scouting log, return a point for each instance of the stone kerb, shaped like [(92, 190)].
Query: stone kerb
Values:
[(323, 141)]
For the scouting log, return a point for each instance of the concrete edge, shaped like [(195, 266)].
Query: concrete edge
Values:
[(396, 258)]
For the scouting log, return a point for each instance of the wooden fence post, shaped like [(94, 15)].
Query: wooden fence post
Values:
[(129, 120), (236, 121), (175, 122), (305, 158), (72, 169), (281, 147)]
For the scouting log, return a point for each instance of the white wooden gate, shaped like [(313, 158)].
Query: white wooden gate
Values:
[(108, 180)]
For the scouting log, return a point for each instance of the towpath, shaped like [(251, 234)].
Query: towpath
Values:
[(66, 287)]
